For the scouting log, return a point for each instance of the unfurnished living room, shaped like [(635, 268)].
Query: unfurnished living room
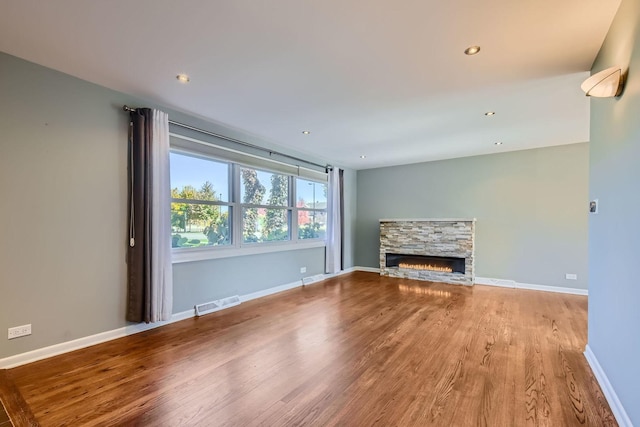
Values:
[(296, 213)]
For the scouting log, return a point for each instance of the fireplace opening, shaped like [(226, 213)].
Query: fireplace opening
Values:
[(423, 262)]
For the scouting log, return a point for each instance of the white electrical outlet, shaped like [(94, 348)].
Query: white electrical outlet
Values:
[(571, 276), (303, 269), (19, 331)]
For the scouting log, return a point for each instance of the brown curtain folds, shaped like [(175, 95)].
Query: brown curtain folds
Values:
[(150, 274), (139, 263), (341, 180)]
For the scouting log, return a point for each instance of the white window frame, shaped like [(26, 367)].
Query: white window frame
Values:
[(297, 209), (237, 246), (229, 203)]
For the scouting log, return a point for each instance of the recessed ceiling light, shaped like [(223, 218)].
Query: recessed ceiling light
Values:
[(498, 143), (472, 50), (183, 78), (306, 132), (363, 157), (490, 113)]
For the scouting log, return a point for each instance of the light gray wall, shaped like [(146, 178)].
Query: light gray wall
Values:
[(63, 172), (202, 281), (350, 213), (614, 233), (531, 209)]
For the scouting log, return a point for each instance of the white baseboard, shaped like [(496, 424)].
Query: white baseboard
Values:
[(305, 282), (609, 393), (66, 347), (504, 283), (270, 291), (368, 269), (516, 285)]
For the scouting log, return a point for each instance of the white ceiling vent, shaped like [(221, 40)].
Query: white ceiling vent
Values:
[(210, 307)]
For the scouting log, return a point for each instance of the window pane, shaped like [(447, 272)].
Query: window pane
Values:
[(311, 194), (265, 225), (312, 224), (198, 179), (194, 224), (264, 188)]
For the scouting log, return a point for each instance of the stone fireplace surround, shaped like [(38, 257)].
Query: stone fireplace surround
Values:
[(440, 237)]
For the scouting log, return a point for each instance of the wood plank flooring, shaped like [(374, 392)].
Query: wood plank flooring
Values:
[(356, 350), (14, 404), (4, 418)]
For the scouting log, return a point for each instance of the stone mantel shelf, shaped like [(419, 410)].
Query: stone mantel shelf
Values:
[(427, 219)]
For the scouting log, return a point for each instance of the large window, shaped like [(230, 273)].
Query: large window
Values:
[(201, 211), (226, 204), (311, 201), (266, 209)]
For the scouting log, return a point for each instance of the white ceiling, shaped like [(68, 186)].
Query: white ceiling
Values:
[(384, 79)]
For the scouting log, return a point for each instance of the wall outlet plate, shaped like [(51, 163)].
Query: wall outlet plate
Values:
[(303, 269), (19, 331), (569, 276)]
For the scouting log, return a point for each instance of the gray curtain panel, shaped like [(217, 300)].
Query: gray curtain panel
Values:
[(341, 180), (138, 256)]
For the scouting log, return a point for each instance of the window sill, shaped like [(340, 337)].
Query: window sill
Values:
[(202, 254)]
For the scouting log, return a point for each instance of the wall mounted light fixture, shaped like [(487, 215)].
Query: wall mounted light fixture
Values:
[(605, 84)]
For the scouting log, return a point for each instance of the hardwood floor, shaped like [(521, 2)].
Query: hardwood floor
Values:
[(356, 350), (4, 418), (14, 404)]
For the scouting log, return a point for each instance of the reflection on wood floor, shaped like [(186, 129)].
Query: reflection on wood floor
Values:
[(356, 350)]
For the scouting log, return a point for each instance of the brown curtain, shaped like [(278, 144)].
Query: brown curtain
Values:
[(138, 259), (341, 180)]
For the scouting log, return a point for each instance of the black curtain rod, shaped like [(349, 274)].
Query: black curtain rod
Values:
[(237, 141)]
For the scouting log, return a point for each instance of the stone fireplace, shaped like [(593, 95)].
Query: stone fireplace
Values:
[(438, 250)]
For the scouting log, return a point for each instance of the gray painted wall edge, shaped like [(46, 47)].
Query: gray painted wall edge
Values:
[(614, 293)]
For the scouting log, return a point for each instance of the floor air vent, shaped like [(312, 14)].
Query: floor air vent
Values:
[(312, 279), (210, 307)]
